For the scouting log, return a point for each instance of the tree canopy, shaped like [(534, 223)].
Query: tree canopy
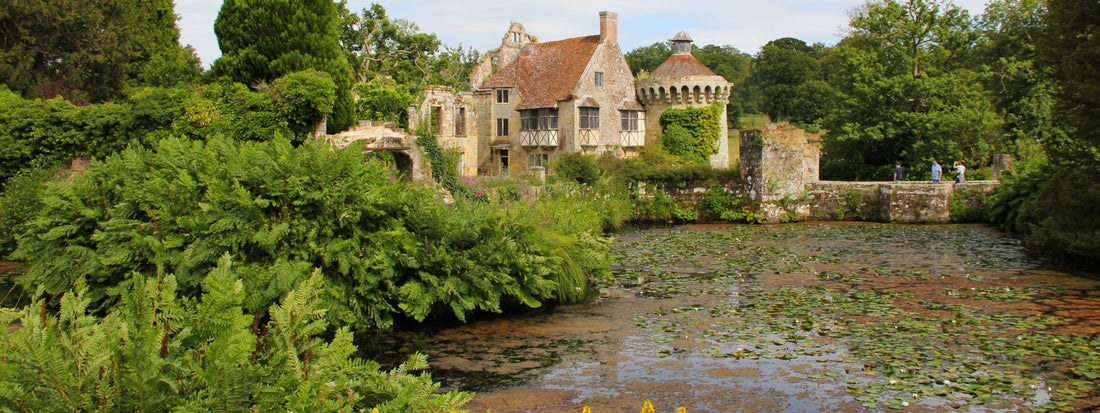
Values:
[(905, 92), (263, 40), (791, 80), (90, 50)]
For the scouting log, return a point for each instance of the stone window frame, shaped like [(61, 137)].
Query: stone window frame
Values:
[(599, 79), (502, 96), (589, 118), (630, 120), (502, 126)]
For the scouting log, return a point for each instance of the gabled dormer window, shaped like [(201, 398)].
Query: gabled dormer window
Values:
[(599, 79), (502, 95)]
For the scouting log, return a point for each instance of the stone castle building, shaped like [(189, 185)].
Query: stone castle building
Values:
[(531, 101)]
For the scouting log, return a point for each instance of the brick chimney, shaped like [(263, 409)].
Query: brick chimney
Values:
[(609, 27)]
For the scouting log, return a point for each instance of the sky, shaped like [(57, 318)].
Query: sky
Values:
[(744, 24)]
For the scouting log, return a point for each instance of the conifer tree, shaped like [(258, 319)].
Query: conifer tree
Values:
[(263, 40)]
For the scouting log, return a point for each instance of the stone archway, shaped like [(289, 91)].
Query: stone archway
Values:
[(384, 137)]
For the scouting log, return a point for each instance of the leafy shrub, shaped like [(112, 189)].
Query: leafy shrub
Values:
[(157, 352), (50, 133), (719, 205), (578, 167), (19, 203), (692, 133), (663, 208), (1053, 209), (303, 99), (968, 206), (387, 249)]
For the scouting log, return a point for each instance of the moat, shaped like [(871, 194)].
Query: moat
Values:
[(792, 318)]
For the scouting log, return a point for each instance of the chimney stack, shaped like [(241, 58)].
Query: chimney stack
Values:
[(609, 27)]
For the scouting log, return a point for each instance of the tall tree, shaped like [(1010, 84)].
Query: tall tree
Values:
[(88, 50), (376, 45), (648, 58), (791, 81), (262, 40), (1071, 49), (905, 91), (1017, 83), (1054, 207)]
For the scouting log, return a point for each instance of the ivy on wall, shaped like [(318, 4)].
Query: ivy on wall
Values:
[(692, 134)]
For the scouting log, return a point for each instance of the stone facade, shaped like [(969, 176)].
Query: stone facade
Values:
[(907, 202), (554, 97), (532, 101), (451, 116), (681, 82)]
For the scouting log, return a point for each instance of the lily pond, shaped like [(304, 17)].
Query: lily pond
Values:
[(792, 318)]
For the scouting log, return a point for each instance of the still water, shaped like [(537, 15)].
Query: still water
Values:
[(791, 318)]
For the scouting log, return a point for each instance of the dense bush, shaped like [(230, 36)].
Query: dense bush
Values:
[(49, 133), (1053, 209), (720, 205), (20, 202), (968, 206), (158, 352), (578, 167), (387, 249)]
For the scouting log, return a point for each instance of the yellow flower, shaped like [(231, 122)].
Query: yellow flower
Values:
[(682, 410), (647, 407), (586, 410)]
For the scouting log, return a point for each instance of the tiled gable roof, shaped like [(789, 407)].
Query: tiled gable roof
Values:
[(545, 73), (681, 65)]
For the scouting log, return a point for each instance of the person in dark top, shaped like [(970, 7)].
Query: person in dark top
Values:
[(899, 174)]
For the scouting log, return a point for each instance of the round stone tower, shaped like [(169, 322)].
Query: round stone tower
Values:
[(683, 81)]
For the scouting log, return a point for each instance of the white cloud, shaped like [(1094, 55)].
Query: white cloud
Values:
[(746, 25)]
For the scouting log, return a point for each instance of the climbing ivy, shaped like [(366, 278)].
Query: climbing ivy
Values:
[(692, 134)]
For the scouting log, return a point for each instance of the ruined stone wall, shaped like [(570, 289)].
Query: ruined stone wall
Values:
[(452, 131), (905, 203), (777, 164)]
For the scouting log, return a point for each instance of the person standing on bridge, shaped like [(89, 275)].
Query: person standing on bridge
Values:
[(937, 171), (960, 172), (899, 174)]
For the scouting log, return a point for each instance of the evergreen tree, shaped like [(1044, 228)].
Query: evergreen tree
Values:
[(89, 50), (262, 40)]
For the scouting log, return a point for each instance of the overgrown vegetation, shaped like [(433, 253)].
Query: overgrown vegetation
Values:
[(158, 351), (692, 134)]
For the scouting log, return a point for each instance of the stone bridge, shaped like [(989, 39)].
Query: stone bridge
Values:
[(384, 137), (780, 167)]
